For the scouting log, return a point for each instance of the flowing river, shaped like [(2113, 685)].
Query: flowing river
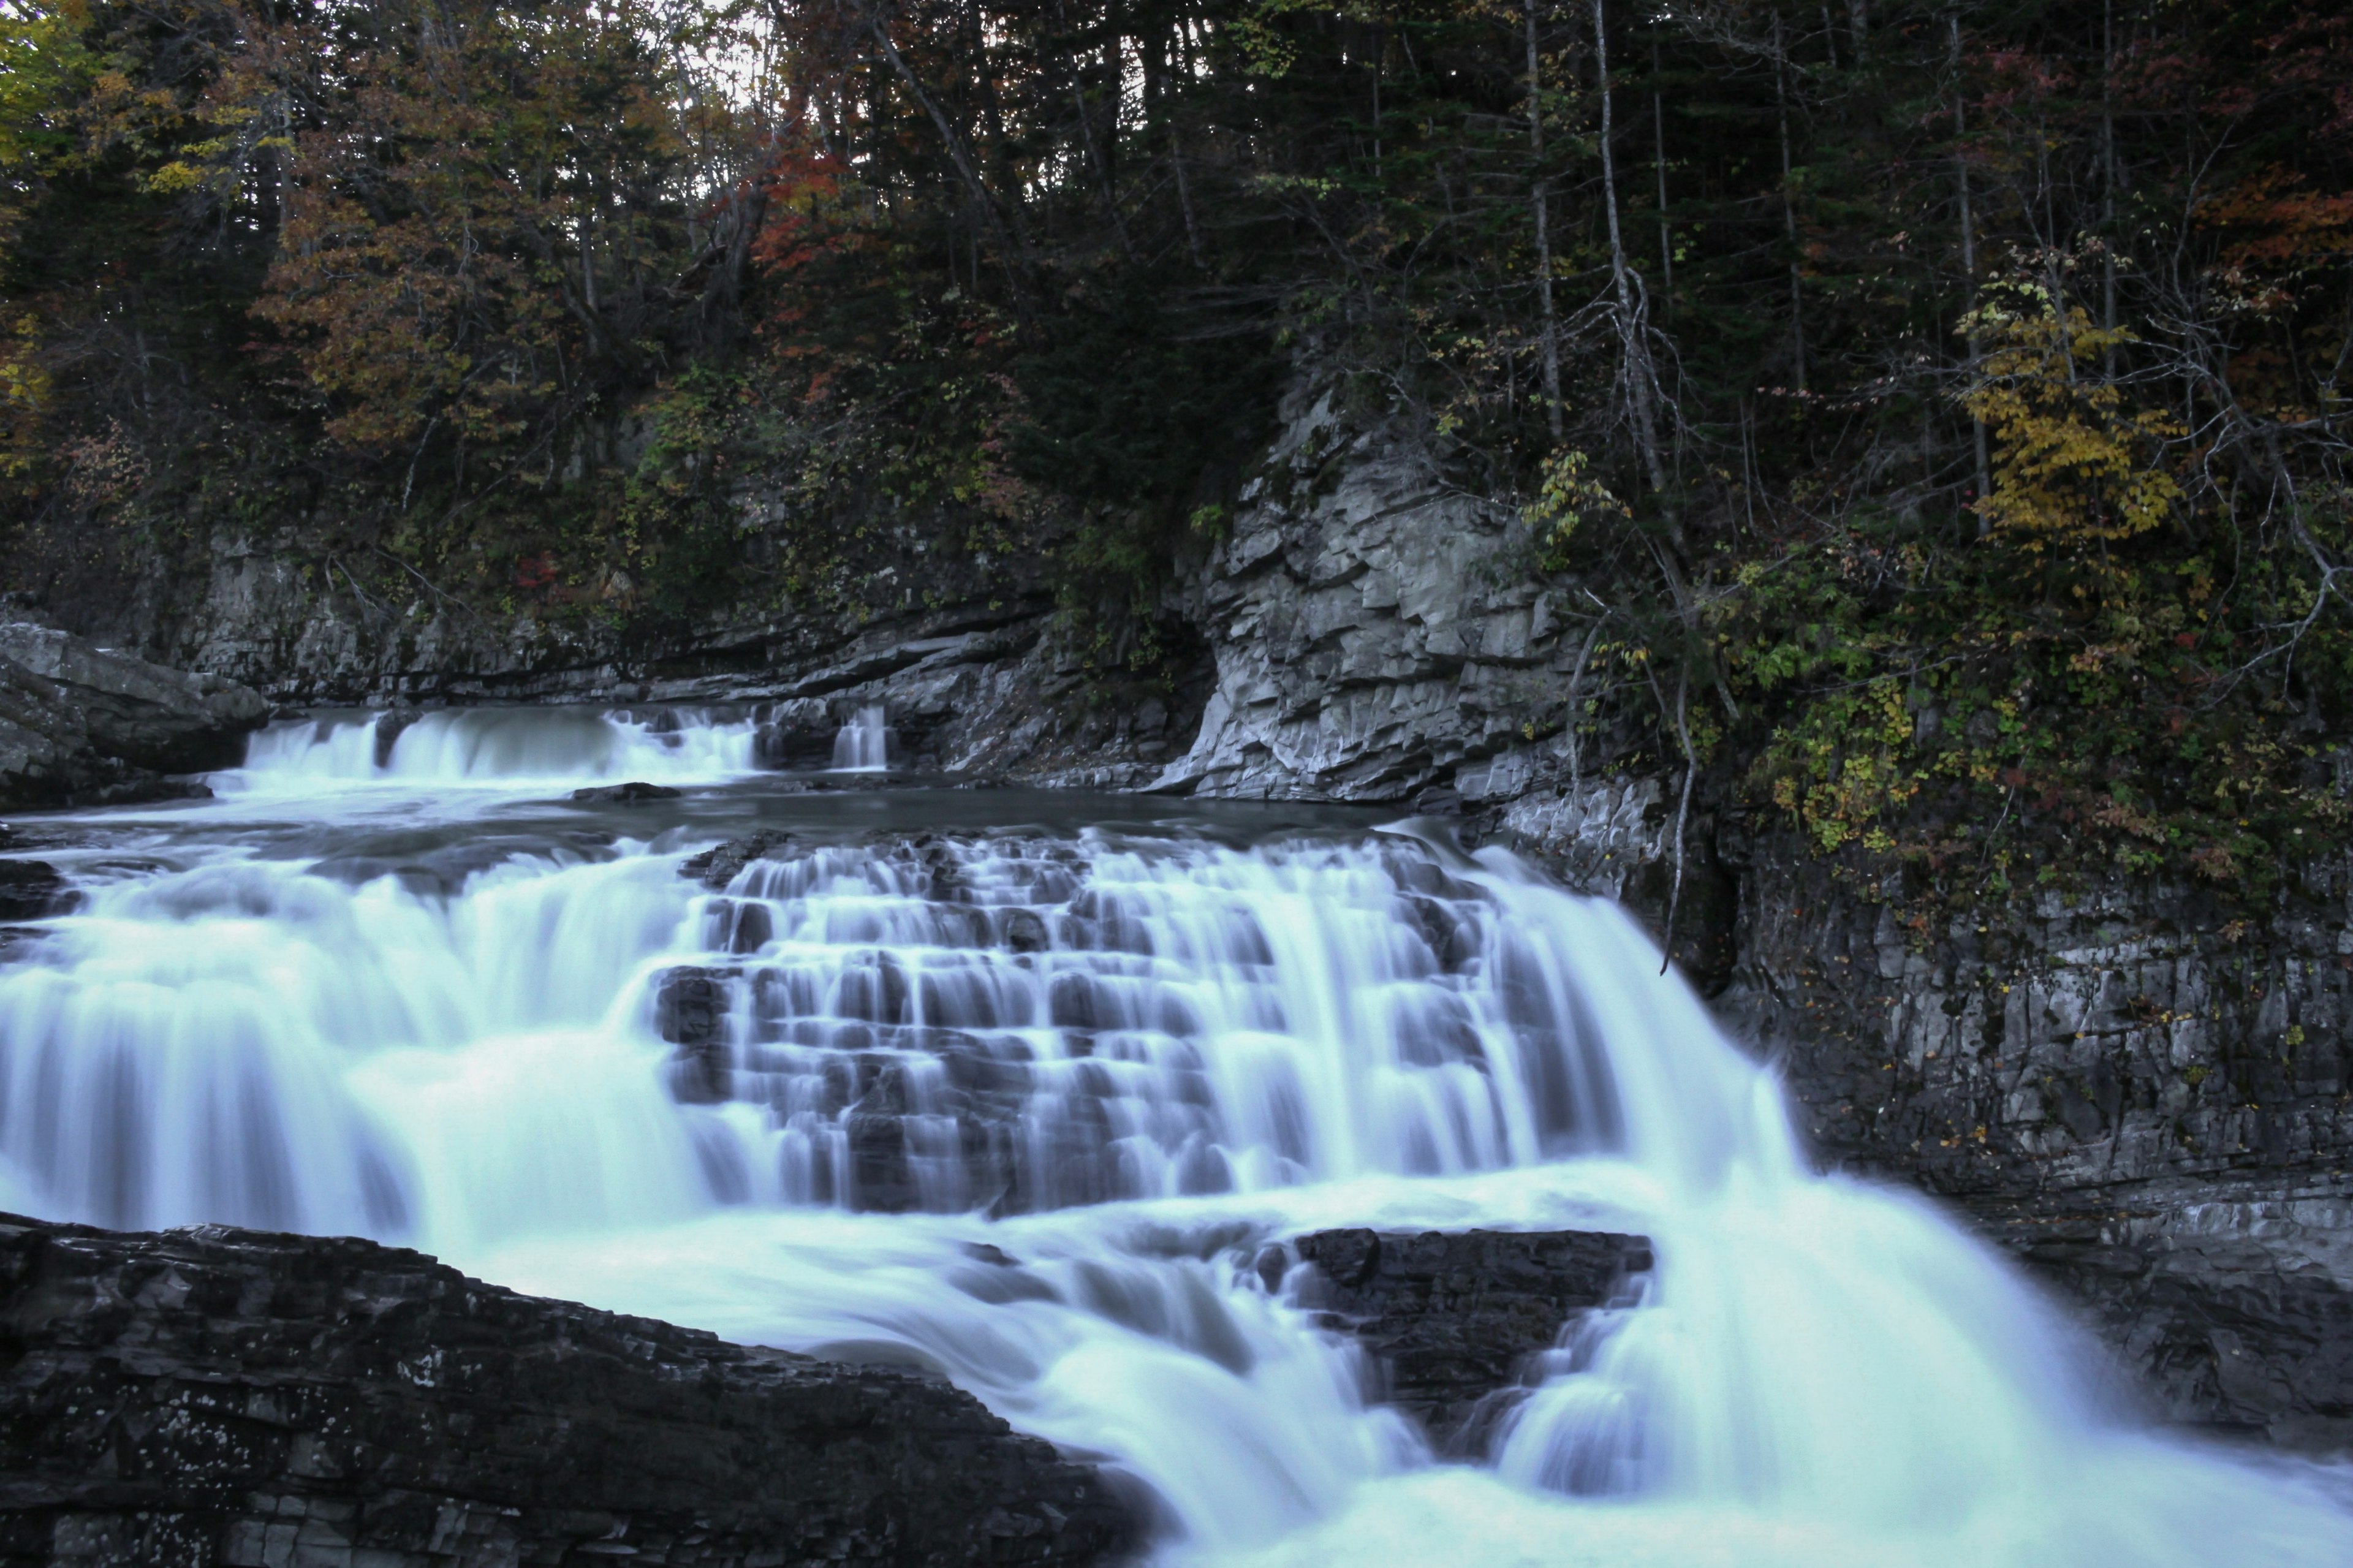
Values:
[(1022, 1086)]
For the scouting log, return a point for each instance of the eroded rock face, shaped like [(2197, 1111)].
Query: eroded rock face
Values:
[(229, 1397), (30, 889), (2118, 1035), (82, 724), (1452, 1322), (958, 649), (1375, 629)]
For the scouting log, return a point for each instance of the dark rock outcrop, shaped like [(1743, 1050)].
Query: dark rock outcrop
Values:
[(2233, 1315), (32, 888), (797, 734), (229, 1397), (715, 868), (83, 725), (1453, 1320), (690, 1013), (635, 792)]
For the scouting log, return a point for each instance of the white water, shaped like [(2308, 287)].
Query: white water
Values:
[(476, 746), (1151, 1056), (863, 745)]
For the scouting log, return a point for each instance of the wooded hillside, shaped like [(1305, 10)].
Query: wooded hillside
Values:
[(1935, 413)]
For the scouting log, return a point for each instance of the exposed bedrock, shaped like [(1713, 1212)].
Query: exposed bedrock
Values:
[(220, 1397), (959, 652), (1452, 1323), (1377, 632)]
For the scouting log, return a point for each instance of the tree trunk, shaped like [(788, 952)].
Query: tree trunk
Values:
[(1969, 262), (1013, 256), (2108, 176), (1634, 349), (1544, 232), (1666, 235), (1789, 204)]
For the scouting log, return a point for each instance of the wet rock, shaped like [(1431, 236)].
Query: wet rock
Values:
[(32, 888), (229, 1397), (795, 734), (690, 1013), (390, 725), (714, 869), (634, 793), (2234, 1313), (1025, 932), (1452, 1320), (741, 926)]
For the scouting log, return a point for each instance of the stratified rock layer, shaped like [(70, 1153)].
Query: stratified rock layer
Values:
[(2144, 1093), (1454, 1320), (229, 1397)]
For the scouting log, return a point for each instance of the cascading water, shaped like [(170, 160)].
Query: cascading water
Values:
[(1024, 1105), (474, 745), (863, 745)]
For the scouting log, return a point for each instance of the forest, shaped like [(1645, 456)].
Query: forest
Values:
[(1934, 416)]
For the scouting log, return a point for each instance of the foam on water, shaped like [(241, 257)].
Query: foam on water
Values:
[(1148, 1058)]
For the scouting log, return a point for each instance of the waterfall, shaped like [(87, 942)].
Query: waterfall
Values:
[(1028, 1107), (499, 746), (863, 745)]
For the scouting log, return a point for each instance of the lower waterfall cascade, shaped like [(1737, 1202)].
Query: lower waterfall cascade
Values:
[(1023, 1090)]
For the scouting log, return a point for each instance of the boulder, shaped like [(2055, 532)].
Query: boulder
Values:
[(32, 888), (229, 1397), (83, 725)]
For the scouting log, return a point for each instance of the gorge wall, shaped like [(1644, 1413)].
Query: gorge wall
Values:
[(2145, 1093)]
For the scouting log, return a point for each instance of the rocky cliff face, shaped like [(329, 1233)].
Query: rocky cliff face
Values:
[(2146, 1095), (1370, 631), (1377, 632), (964, 658), (220, 1397)]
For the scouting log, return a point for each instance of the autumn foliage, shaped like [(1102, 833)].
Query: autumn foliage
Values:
[(1931, 417)]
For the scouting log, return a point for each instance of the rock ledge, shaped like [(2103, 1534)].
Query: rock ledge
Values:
[(1455, 1321), (228, 1397)]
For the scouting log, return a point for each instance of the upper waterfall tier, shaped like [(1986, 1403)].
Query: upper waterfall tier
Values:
[(472, 745), (1013, 1022)]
